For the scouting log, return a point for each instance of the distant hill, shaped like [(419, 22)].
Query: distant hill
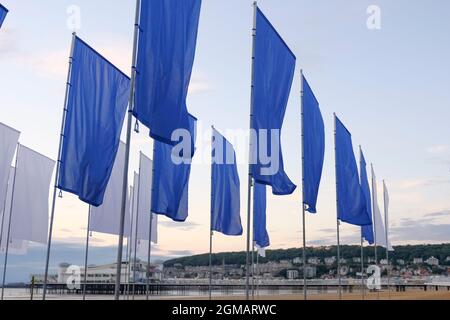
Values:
[(406, 253)]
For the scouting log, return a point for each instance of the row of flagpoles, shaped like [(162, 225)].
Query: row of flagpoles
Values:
[(94, 165)]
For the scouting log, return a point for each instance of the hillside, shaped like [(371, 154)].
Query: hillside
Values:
[(406, 253)]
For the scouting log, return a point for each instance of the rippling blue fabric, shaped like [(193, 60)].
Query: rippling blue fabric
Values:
[(350, 197), (313, 146), (274, 67), (96, 108), (3, 13), (261, 236), (366, 231), (171, 180), (225, 197), (166, 51)]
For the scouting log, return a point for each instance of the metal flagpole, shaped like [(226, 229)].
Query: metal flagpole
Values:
[(257, 268), (58, 167), (362, 268), (253, 263), (149, 255), (337, 220), (374, 222), (86, 253), (250, 179), (130, 245), (136, 230), (9, 223), (387, 241), (362, 244), (127, 154), (211, 232), (305, 288)]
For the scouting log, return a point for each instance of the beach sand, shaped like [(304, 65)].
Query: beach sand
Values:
[(410, 295)]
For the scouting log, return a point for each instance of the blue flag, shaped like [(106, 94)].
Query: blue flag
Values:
[(225, 197), (366, 231), (274, 67), (313, 146), (96, 108), (171, 174), (166, 51), (350, 197), (3, 13), (261, 236)]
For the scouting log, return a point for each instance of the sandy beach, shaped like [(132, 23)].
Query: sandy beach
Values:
[(410, 295)]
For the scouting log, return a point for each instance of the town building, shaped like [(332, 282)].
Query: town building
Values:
[(292, 274), (330, 261), (314, 261), (432, 261)]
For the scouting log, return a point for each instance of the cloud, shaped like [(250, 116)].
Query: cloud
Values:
[(444, 213), (417, 183), (421, 231), (438, 149), (185, 226), (180, 253)]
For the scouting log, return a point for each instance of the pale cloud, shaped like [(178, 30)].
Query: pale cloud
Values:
[(421, 182), (438, 149)]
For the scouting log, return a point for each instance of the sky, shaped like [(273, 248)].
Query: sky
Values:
[(389, 86)]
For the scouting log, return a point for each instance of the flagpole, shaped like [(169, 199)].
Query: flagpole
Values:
[(253, 262), (58, 166), (211, 232), (337, 220), (87, 253), (250, 179), (129, 244), (136, 229), (362, 268), (305, 289), (257, 282), (362, 238), (127, 154), (149, 255), (374, 222), (387, 241), (9, 223)]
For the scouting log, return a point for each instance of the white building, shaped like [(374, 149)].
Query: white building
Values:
[(417, 260), (297, 260), (357, 260), (401, 262), (432, 261), (292, 274), (384, 262), (107, 273), (330, 261), (314, 261)]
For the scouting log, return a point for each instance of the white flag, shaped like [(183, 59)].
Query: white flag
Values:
[(106, 218), (379, 229), (386, 213), (8, 143), (29, 218), (144, 199), (261, 251), (15, 247)]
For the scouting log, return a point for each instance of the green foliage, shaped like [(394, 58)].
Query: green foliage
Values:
[(406, 253)]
